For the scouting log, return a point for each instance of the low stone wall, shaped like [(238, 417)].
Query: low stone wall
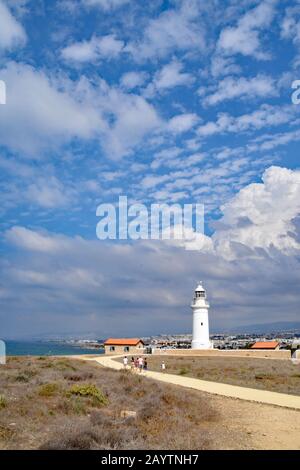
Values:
[(263, 353), (297, 354)]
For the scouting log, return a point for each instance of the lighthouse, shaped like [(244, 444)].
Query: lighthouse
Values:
[(200, 308)]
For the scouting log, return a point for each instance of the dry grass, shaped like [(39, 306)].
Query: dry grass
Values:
[(267, 374), (53, 403)]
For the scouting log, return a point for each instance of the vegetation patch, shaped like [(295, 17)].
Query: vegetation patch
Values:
[(25, 376), (48, 390), (3, 402), (89, 390), (5, 432)]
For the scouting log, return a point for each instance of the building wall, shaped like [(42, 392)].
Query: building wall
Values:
[(133, 350), (273, 354)]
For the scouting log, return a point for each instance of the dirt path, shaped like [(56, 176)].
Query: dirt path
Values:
[(226, 390), (255, 425)]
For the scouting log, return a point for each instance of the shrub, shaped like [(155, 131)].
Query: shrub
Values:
[(3, 402), (5, 432), (48, 390), (183, 371), (25, 376), (79, 376), (89, 390)]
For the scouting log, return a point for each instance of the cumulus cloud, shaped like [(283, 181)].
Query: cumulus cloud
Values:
[(12, 33), (39, 114), (244, 38), (105, 47), (44, 112), (263, 215)]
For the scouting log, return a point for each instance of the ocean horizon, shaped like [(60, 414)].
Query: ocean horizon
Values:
[(46, 348)]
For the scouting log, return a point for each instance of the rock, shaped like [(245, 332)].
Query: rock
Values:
[(128, 414)]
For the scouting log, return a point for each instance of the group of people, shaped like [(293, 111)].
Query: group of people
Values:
[(139, 364)]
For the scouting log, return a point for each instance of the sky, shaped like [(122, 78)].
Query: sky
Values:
[(163, 102)]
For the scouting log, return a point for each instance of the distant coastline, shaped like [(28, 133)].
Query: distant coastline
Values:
[(49, 348)]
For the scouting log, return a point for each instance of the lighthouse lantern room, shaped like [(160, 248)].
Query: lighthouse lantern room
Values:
[(200, 308)]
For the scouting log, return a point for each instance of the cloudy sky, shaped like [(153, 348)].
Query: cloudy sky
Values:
[(179, 101)]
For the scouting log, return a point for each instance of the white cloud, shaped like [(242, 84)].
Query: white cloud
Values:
[(245, 37), (39, 114), (182, 122), (105, 47), (173, 29), (12, 33), (106, 5), (223, 66), (265, 116), (290, 26), (33, 241), (262, 215), (134, 118), (171, 75), (131, 80), (48, 193), (231, 88)]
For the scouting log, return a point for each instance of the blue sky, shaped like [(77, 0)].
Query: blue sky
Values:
[(165, 102)]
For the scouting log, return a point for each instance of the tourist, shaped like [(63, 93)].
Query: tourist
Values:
[(132, 363), (125, 362), (163, 366), (140, 363), (145, 365)]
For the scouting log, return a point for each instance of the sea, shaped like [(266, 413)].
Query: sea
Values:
[(46, 348)]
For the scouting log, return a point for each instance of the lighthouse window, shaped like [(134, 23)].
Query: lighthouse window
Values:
[(200, 294)]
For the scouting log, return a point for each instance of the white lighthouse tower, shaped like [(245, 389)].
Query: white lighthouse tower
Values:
[(200, 320)]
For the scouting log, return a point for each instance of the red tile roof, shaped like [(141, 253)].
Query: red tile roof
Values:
[(265, 345), (123, 341)]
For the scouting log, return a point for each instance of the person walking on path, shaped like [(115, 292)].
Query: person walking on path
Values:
[(141, 363), (125, 362), (145, 364), (132, 363), (163, 366)]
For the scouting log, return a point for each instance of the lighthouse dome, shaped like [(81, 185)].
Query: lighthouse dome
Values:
[(199, 288)]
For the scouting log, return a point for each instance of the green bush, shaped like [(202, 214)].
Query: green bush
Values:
[(48, 390), (3, 402), (89, 390)]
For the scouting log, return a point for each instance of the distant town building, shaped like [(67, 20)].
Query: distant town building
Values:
[(124, 345), (265, 345), (200, 308)]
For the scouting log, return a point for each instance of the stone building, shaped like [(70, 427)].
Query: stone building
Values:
[(124, 346)]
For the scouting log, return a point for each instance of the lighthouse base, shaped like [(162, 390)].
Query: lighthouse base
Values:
[(200, 345)]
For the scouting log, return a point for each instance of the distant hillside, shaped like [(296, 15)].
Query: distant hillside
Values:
[(262, 328)]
